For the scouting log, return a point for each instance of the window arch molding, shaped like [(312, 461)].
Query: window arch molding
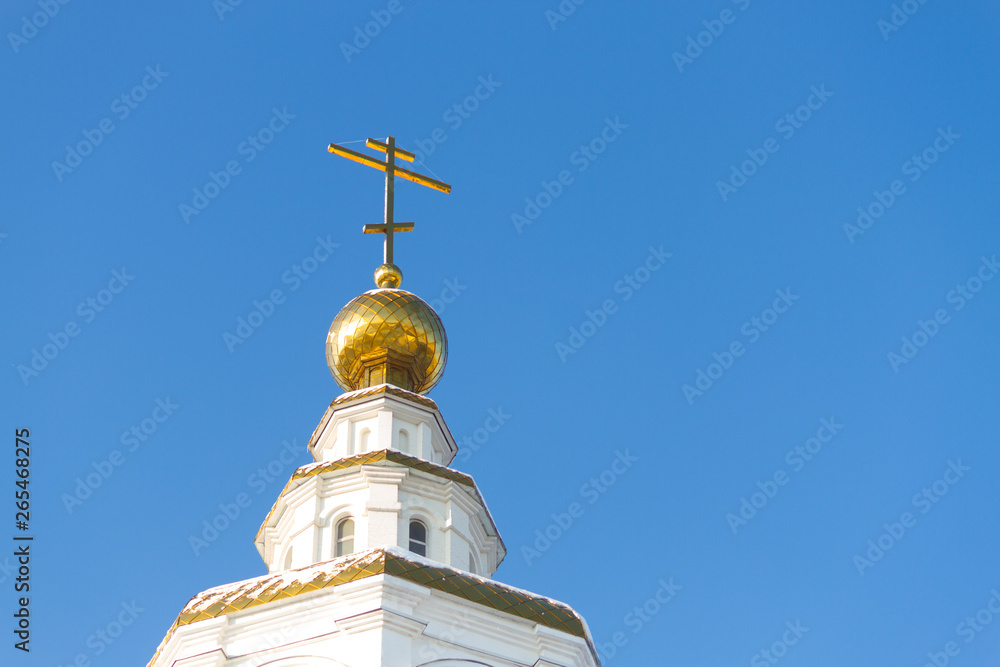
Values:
[(403, 440), (363, 443), (326, 523), (417, 537), (344, 534), (419, 542)]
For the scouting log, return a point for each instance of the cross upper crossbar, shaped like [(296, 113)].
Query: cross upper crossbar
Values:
[(380, 146), (379, 164), (389, 227)]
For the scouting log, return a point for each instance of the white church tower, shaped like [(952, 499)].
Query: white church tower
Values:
[(379, 554)]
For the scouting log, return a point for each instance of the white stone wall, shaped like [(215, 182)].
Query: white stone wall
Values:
[(379, 621), (382, 500), (384, 422)]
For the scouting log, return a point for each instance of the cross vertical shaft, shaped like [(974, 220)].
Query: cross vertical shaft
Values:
[(390, 186)]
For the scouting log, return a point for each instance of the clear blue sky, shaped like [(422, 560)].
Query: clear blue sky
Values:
[(623, 147)]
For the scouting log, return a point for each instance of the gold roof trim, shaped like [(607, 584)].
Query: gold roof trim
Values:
[(381, 389), (378, 457), (224, 600), (384, 456)]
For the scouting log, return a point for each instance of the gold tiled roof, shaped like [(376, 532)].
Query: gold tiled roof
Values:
[(491, 594), (383, 456), (223, 600), (379, 390)]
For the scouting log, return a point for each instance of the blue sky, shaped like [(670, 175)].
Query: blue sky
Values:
[(653, 253)]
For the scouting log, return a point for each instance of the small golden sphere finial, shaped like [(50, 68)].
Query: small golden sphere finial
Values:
[(388, 276)]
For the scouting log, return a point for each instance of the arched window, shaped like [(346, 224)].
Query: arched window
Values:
[(418, 538), (363, 444), (472, 564), (403, 441), (345, 538), (288, 559)]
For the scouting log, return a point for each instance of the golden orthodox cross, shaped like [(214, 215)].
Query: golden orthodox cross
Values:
[(389, 227)]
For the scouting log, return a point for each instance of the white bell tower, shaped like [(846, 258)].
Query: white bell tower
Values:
[(379, 554), (380, 480)]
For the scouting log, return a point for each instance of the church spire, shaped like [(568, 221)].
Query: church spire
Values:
[(387, 335)]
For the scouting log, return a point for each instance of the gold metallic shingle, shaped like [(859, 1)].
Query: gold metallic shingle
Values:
[(384, 455), (383, 389), (223, 600), (387, 336)]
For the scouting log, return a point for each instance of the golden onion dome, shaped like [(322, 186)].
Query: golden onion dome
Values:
[(389, 336)]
